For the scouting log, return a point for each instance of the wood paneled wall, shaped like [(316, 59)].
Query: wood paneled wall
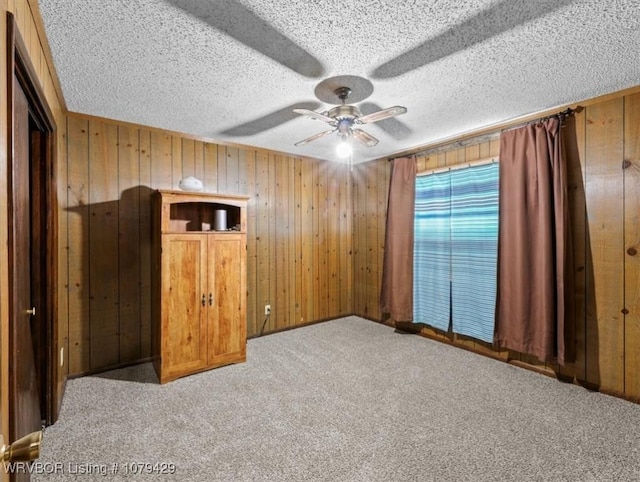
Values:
[(370, 193), (604, 190), (299, 233)]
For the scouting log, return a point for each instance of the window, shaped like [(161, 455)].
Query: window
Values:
[(455, 250)]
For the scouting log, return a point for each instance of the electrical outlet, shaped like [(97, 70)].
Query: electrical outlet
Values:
[(267, 309)]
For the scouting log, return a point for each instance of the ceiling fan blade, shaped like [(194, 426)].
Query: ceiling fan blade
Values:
[(381, 114), (364, 138), (392, 126), (315, 115), (314, 137)]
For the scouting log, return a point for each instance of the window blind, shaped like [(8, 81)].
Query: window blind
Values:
[(455, 250), (432, 251), (474, 250)]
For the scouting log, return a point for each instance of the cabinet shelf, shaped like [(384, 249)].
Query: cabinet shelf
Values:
[(182, 212), (201, 217)]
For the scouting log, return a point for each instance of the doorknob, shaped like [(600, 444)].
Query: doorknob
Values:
[(32, 311), (22, 450)]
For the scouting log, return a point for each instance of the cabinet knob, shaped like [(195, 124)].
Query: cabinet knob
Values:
[(204, 300), (210, 299)]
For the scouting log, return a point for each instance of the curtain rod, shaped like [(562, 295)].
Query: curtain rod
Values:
[(479, 162), (561, 115), (495, 133)]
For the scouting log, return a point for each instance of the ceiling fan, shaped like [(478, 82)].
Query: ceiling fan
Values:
[(344, 117)]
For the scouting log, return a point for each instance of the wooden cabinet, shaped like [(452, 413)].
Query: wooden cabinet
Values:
[(199, 282)]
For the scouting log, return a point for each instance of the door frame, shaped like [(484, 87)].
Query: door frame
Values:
[(44, 183)]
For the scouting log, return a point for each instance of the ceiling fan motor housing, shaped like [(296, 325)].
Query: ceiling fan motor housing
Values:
[(344, 111), (345, 115)]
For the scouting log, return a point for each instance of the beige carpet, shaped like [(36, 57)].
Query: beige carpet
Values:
[(345, 400)]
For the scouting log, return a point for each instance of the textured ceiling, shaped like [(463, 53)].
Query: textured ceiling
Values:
[(232, 70)]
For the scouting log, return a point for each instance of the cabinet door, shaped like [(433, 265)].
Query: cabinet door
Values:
[(227, 325), (184, 283)]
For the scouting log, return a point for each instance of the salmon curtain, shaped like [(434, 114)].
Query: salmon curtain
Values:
[(534, 307), (396, 296)]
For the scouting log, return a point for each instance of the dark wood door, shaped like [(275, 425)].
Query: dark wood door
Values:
[(24, 404)]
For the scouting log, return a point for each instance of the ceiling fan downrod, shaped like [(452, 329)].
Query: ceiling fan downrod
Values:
[(344, 111), (343, 93)]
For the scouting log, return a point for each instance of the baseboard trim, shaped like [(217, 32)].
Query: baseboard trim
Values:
[(97, 371), (302, 325)]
